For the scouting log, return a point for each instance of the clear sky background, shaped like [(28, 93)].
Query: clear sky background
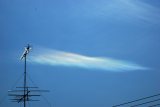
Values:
[(126, 30)]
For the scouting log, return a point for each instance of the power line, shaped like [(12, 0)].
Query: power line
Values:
[(145, 103), (154, 105), (136, 100)]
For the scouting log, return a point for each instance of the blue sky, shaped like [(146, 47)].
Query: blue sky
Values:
[(123, 30)]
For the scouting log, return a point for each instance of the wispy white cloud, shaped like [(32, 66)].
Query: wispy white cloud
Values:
[(123, 10), (141, 10), (60, 58)]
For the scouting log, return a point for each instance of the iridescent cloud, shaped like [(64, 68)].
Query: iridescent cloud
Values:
[(60, 58)]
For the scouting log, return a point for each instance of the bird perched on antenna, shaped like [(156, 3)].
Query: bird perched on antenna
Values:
[(26, 51)]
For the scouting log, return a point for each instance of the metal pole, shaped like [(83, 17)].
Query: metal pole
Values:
[(25, 81)]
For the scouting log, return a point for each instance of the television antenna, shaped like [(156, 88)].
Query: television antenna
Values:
[(24, 93)]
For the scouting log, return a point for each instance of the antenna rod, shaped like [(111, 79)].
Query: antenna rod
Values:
[(25, 80)]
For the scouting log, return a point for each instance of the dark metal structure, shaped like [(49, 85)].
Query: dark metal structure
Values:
[(24, 93)]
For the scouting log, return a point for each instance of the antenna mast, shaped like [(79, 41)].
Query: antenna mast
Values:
[(25, 94), (24, 56)]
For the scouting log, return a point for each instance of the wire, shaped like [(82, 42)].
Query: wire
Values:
[(29, 77), (49, 104), (154, 105), (145, 103), (45, 99), (5, 95), (136, 100), (17, 81)]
